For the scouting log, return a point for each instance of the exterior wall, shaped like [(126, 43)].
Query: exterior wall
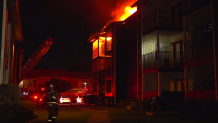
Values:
[(146, 10), (96, 64), (10, 34), (177, 37)]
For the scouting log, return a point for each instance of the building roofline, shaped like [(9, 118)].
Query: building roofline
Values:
[(104, 29), (108, 26)]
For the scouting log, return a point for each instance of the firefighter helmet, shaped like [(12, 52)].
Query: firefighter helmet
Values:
[(51, 87)]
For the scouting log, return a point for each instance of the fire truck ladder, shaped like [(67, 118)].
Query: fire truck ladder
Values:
[(35, 58)]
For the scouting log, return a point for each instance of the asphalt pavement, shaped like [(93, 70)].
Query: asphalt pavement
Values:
[(69, 113), (102, 114)]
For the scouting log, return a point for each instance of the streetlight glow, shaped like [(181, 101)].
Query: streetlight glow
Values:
[(85, 94)]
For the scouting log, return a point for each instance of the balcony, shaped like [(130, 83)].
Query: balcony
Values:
[(167, 20), (200, 43), (189, 6), (167, 59)]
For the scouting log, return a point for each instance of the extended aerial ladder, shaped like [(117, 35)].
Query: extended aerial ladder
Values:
[(35, 58)]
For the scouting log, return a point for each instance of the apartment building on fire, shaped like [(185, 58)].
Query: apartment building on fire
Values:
[(168, 51), (111, 78)]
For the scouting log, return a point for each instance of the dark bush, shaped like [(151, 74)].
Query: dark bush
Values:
[(12, 109), (9, 95), (26, 109)]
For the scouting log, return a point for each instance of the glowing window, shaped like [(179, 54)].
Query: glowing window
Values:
[(95, 49), (102, 46), (108, 55), (109, 40)]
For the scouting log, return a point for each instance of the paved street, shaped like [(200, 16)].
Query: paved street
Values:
[(101, 114)]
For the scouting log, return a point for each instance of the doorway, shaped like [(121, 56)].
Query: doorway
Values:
[(179, 85), (178, 52)]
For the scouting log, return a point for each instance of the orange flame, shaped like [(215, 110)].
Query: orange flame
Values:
[(128, 11), (123, 10)]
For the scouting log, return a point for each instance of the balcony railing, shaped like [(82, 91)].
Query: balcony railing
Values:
[(200, 42), (165, 19), (167, 59), (189, 4)]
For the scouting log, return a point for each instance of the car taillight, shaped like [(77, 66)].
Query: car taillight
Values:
[(78, 100), (35, 97)]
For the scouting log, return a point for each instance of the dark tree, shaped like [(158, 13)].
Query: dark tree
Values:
[(60, 85)]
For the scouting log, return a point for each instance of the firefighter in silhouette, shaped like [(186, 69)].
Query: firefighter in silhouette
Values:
[(53, 97)]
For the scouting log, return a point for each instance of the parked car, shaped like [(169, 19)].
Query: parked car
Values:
[(78, 100), (35, 98), (65, 99)]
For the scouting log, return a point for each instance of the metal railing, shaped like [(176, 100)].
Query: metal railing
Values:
[(199, 43), (187, 4), (207, 84), (167, 59), (165, 18)]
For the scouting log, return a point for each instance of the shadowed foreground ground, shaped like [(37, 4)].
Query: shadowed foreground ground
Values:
[(102, 114)]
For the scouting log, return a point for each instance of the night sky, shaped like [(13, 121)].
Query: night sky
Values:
[(69, 22)]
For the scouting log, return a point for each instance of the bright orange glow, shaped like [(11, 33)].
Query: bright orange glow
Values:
[(43, 89), (109, 40), (35, 97), (101, 38), (102, 46), (123, 10), (95, 49), (108, 56), (128, 11)]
